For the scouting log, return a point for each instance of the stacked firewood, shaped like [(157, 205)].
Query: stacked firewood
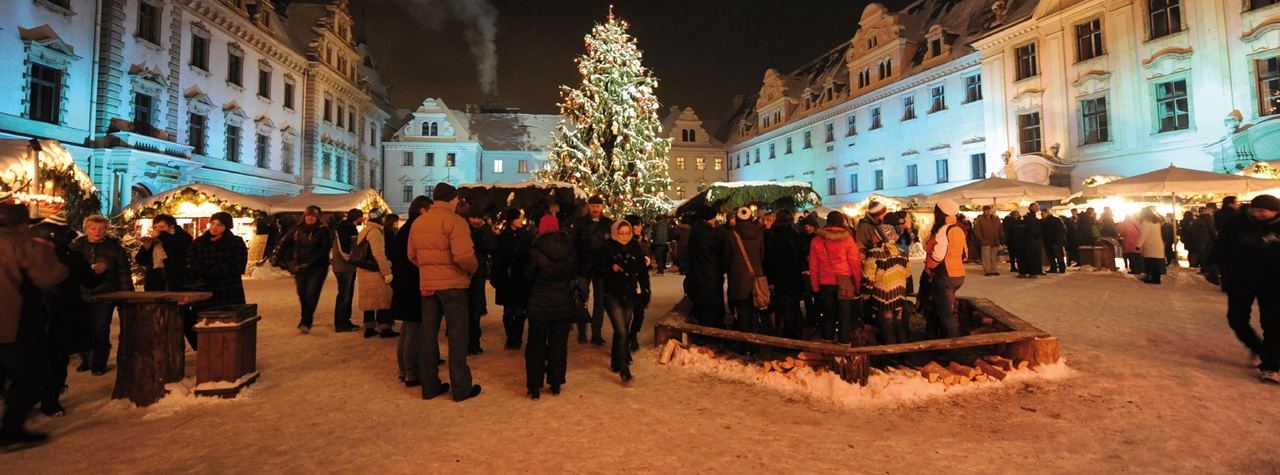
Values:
[(983, 370)]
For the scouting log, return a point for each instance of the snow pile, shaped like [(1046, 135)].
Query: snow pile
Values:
[(884, 388), (265, 271), (181, 395)]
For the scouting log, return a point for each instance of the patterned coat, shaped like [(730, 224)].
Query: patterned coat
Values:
[(884, 277), (372, 290), (216, 266)]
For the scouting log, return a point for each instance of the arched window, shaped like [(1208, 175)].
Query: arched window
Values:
[(426, 128), (693, 135), (881, 70), (888, 67), (684, 135), (435, 129)]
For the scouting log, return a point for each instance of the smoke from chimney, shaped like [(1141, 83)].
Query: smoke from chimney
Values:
[(479, 19)]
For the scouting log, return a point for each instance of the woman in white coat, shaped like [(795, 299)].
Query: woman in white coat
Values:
[(1151, 244), (373, 287)]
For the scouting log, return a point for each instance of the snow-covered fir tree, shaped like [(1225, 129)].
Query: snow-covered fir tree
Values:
[(609, 142)]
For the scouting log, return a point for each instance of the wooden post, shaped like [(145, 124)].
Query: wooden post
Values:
[(1037, 352), (151, 352)]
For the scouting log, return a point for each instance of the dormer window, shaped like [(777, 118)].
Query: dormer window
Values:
[(935, 47)]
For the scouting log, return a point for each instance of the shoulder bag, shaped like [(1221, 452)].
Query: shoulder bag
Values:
[(760, 293), (362, 256)]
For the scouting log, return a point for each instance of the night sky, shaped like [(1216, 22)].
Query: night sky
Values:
[(703, 52)]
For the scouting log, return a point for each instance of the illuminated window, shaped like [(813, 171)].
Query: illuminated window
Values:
[(908, 107), (913, 175), (1089, 39), (497, 166), (875, 118), (972, 88), (1171, 105), (1029, 132), (522, 166), (679, 192), (679, 163), (1027, 65), (450, 159), (1166, 17), (937, 98), (719, 163), (700, 163), (1268, 71), (1093, 120)]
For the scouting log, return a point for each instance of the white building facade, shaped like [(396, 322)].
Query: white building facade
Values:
[(696, 159), (222, 92)]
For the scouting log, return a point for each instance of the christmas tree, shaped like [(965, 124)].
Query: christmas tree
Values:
[(609, 144)]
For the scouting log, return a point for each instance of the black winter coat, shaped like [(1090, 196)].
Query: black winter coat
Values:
[(704, 279), (483, 240), (1015, 234), (783, 263), (175, 246), (1035, 229), (216, 266), (509, 262), (1054, 231), (306, 248), (406, 297), (552, 270), (588, 237), (119, 274), (70, 331), (1249, 250), (741, 280), (631, 284), (1084, 231)]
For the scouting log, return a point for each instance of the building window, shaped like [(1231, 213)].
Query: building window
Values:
[(143, 107), (908, 107), (700, 163), (406, 194), (1171, 105), (937, 98), (879, 176), (831, 132), (235, 66), (450, 159), (935, 47), (328, 109), (233, 143), (913, 175), (851, 125), (1027, 65), (1089, 39), (978, 166), (679, 163), (45, 99), (773, 150), (679, 192), (199, 52), (286, 157), (757, 154), (430, 161), (1029, 132), (497, 166), (1268, 71), (351, 122), (196, 125), (288, 95), (831, 186), (522, 166), (148, 22), (407, 161), (262, 151), (875, 118), (972, 88), (1093, 120), (808, 139), (944, 171), (853, 183), (788, 148), (326, 165), (1166, 17), (264, 83), (719, 163), (340, 115)]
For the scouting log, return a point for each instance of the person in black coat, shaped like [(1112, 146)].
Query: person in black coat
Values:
[(552, 271), (305, 253), (1073, 249), (406, 298), (70, 331), (704, 280), (784, 266), (588, 233), (171, 240), (1033, 243), (626, 285), (483, 241), (1015, 230), (110, 260), (511, 288), (1248, 252), (216, 262), (1054, 234)]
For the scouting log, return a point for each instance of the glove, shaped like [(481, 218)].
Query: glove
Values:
[(387, 278)]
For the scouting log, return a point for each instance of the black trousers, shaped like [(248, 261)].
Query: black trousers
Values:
[(1241, 293), (547, 354), (1057, 261), (513, 317), (709, 315), (26, 365), (477, 306)]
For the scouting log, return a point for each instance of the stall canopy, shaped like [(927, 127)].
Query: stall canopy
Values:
[(364, 200), (1174, 181), (736, 194), (62, 186), (996, 191), (199, 200), (524, 195)]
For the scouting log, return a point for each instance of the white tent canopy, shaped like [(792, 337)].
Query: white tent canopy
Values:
[(269, 204), (1181, 181), (995, 191), (330, 202), (261, 203)]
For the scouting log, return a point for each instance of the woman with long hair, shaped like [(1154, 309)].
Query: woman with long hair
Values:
[(944, 264), (834, 256)]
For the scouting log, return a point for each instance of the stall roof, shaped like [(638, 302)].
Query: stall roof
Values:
[(260, 203), (331, 202), (577, 192)]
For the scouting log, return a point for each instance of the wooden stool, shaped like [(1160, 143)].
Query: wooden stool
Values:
[(228, 341)]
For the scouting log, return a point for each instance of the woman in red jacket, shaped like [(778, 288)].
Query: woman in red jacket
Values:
[(834, 256)]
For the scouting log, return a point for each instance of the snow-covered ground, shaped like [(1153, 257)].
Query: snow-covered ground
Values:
[(1158, 384)]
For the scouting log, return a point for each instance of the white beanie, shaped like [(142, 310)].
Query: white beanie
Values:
[(744, 213), (949, 207)]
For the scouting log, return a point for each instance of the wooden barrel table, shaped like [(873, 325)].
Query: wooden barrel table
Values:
[(151, 351)]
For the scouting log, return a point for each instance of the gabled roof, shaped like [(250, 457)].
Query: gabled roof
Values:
[(513, 131)]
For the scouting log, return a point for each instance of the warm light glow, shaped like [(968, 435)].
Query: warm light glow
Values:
[(192, 210)]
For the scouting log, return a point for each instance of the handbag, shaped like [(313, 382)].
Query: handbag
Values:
[(760, 292), (580, 312), (846, 288), (362, 256)]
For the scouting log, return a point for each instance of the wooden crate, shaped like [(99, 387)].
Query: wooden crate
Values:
[(228, 342)]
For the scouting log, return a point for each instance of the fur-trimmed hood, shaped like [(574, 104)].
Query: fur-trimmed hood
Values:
[(833, 233)]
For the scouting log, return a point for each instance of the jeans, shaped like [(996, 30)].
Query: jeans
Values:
[(24, 365), (310, 284), (100, 317), (407, 350), (449, 305), (513, 317), (597, 304), (1057, 259), (477, 306), (620, 313), (990, 259), (637, 322), (893, 326), (660, 256), (1241, 294), (944, 301), (378, 319), (835, 312), (547, 354), (342, 308)]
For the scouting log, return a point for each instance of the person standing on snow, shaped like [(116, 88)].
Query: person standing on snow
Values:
[(1248, 252)]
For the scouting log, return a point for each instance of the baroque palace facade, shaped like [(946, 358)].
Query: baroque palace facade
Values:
[(944, 92), (149, 95)]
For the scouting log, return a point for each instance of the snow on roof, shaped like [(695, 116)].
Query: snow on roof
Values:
[(331, 202), (577, 192), (261, 203), (513, 131)]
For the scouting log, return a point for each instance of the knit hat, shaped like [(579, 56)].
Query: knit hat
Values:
[(706, 213), (835, 218), (1267, 202), (595, 200), (875, 208), (224, 218), (949, 207), (744, 214), (444, 192), (548, 224), (810, 221), (59, 219)]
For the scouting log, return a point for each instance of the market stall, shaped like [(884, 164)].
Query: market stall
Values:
[(59, 186), (999, 191), (770, 195), (192, 205), (528, 195)]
